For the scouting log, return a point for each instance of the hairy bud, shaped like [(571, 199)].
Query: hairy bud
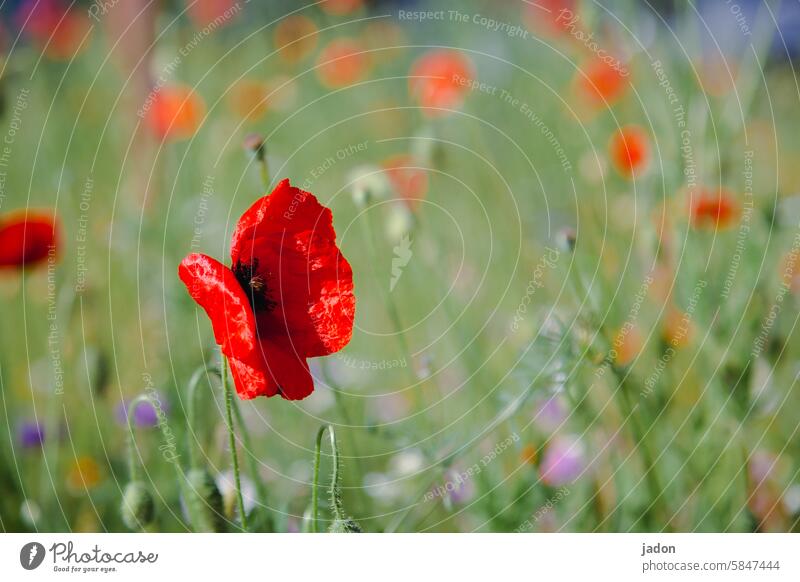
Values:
[(137, 509)]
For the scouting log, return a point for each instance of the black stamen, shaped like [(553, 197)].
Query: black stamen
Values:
[(254, 285)]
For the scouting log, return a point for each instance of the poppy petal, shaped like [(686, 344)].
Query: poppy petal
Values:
[(287, 370), (215, 288), (251, 380), (289, 235)]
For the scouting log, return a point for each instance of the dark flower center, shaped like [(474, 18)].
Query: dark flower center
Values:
[(254, 285)]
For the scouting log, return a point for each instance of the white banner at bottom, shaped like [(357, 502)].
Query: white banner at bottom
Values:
[(385, 557)]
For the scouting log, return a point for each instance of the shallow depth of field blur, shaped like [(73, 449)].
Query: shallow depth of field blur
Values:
[(574, 228)]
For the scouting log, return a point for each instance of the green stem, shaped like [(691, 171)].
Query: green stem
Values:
[(251, 464), (315, 484), (191, 409), (226, 389), (133, 466), (335, 490), (641, 443)]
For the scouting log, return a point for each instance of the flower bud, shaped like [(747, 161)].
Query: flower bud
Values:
[(205, 502), (138, 509), (566, 238), (368, 183), (254, 144)]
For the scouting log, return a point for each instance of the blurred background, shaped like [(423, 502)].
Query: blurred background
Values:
[(573, 227)]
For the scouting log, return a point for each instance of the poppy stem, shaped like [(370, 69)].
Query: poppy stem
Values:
[(262, 494), (226, 389), (335, 489), (315, 484)]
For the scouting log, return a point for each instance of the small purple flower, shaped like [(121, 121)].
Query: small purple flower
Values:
[(551, 413), (145, 415), (563, 462), (461, 489), (31, 435)]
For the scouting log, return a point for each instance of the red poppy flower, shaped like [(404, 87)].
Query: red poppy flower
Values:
[(628, 150), (287, 296), (27, 237), (409, 181), (439, 79), (176, 112), (599, 83), (341, 63), (57, 29), (710, 209)]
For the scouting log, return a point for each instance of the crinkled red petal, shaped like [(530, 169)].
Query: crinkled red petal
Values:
[(215, 288)]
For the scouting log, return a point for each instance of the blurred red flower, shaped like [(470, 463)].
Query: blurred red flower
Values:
[(439, 79), (628, 150), (599, 83), (27, 237), (57, 29), (710, 209), (176, 112), (342, 63), (288, 295), (408, 180), (341, 7)]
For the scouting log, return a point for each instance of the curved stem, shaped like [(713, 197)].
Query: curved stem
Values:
[(133, 466), (232, 442)]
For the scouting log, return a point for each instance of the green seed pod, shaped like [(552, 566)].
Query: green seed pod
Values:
[(138, 509), (205, 502), (346, 525)]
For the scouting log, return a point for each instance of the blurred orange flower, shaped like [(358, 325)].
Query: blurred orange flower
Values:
[(175, 112), (790, 270), (341, 7), (342, 63), (217, 12), (295, 37), (528, 455), (599, 84), (709, 209), (248, 99), (677, 328), (84, 473), (408, 180), (627, 344), (628, 150), (439, 79)]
